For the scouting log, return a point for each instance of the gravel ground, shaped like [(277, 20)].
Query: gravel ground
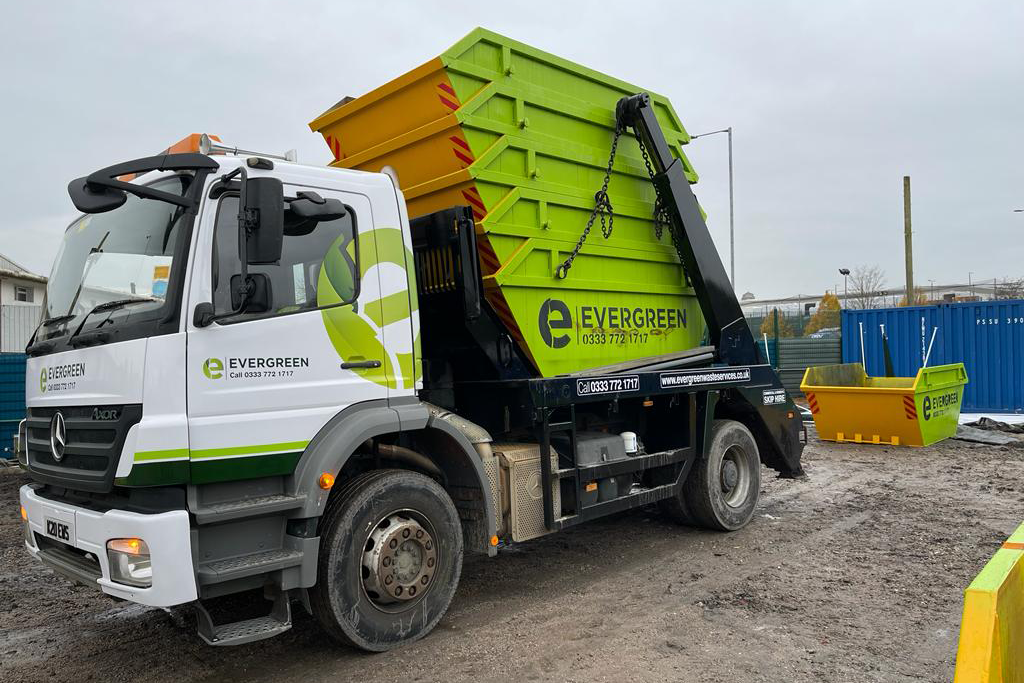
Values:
[(855, 573)]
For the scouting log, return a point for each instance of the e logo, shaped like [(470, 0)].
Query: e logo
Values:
[(213, 368), (554, 315), (42, 381)]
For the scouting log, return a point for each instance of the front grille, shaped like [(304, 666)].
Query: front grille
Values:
[(92, 449)]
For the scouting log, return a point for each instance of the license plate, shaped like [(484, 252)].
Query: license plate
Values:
[(59, 530)]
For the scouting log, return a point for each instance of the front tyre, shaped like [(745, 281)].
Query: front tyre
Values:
[(390, 560)]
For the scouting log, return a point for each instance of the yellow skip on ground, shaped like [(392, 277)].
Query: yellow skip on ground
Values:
[(848, 405), (991, 646)]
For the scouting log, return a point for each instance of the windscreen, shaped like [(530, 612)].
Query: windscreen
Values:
[(126, 253)]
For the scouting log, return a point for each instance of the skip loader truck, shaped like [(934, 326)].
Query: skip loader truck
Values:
[(327, 384)]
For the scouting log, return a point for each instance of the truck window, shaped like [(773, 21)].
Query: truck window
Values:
[(293, 280), (124, 253)]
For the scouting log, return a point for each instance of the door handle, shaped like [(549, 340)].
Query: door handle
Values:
[(360, 365)]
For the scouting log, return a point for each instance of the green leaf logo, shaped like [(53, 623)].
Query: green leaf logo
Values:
[(213, 368), (358, 331)]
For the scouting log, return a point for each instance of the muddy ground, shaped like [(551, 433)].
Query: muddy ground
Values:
[(854, 574)]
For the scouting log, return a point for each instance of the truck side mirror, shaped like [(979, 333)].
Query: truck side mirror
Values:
[(311, 206), (264, 217), (261, 237), (89, 199)]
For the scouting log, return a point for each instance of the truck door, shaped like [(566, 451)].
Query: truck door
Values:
[(261, 385)]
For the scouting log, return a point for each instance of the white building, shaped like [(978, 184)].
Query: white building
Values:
[(21, 298)]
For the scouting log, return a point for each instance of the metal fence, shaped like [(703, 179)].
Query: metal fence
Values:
[(791, 353), (795, 355), (796, 323), (16, 326)]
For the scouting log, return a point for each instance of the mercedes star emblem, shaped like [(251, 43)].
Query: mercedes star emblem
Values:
[(58, 436)]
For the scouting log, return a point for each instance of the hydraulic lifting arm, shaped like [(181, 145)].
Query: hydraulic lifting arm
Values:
[(726, 325), (776, 426)]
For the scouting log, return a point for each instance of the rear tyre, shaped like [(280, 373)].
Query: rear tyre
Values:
[(390, 560), (675, 508), (722, 489)]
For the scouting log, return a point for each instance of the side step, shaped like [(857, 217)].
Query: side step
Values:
[(247, 630), (248, 507), (231, 568)]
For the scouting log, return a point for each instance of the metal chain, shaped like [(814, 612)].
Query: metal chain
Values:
[(661, 214), (661, 218), (602, 209)]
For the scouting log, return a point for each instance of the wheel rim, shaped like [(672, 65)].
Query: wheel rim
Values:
[(735, 476), (400, 560)]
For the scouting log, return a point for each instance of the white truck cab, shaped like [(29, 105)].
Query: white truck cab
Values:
[(175, 455)]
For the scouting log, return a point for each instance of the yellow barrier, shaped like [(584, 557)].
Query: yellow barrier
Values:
[(992, 629)]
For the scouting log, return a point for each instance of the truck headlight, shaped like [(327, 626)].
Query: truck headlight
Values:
[(129, 562), (28, 528)]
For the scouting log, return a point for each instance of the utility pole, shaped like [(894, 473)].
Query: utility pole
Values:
[(908, 240)]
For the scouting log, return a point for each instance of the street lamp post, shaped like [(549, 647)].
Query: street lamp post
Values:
[(732, 230), (970, 284), (845, 272)]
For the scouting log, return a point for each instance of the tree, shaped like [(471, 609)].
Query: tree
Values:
[(919, 298), (1009, 288), (826, 315), (866, 283), (768, 325)]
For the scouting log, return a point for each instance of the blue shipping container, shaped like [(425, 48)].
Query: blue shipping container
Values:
[(986, 336), (12, 399)]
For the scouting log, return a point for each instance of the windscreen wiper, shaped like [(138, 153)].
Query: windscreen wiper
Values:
[(35, 347), (57, 319), (107, 306), (98, 249)]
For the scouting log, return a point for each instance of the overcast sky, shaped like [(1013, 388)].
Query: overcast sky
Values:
[(831, 106)]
